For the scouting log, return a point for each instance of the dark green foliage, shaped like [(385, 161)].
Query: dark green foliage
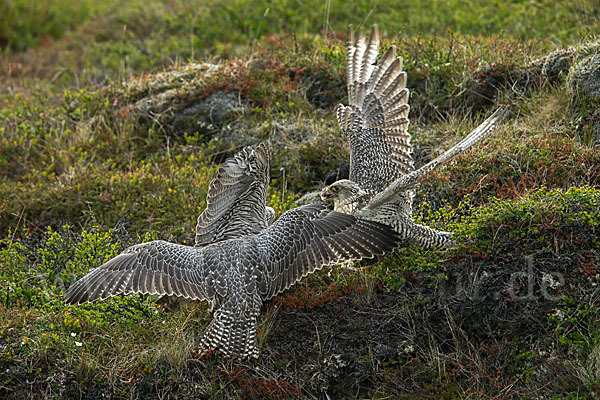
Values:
[(37, 270), (521, 288), (536, 220)]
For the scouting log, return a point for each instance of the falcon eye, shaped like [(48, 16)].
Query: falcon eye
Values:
[(335, 189)]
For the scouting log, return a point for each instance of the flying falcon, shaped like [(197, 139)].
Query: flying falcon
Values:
[(243, 266), (382, 174)]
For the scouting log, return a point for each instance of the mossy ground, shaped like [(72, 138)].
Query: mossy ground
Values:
[(107, 139)]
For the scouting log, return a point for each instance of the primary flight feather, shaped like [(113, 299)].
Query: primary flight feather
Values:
[(242, 266), (382, 176)]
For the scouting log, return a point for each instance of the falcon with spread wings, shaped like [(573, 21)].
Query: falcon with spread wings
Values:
[(243, 260), (382, 174)]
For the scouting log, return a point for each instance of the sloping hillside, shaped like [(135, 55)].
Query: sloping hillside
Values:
[(113, 119)]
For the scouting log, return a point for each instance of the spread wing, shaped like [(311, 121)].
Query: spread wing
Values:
[(236, 199), (240, 273), (305, 239), (406, 182), (157, 268), (376, 120)]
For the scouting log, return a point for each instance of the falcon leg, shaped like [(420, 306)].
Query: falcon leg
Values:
[(427, 237), (422, 235)]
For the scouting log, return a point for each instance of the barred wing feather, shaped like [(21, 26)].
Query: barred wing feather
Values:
[(236, 199), (376, 120), (308, 238), (155, 268)]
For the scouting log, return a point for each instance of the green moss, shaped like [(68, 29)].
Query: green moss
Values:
[(407, 263), (26, 24), (169, 192), (534, 220)]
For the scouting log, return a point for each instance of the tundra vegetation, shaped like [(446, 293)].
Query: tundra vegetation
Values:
[(114, 117)]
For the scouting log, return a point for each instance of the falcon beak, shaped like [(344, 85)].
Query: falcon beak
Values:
[(326, 195)]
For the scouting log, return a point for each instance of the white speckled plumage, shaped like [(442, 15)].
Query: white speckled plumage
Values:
[(236, 198), (242, 266), (382, 176)]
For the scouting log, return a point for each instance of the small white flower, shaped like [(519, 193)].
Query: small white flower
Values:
[(78, 344), (73, 334), (549, 280), (558, 314)]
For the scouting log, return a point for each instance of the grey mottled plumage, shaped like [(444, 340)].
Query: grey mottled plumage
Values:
[(235, 203), (237, 271), (376, 120), (382, 176), (237, 275), (236, 198)]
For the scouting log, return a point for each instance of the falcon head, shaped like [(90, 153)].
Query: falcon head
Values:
[(345, 195)]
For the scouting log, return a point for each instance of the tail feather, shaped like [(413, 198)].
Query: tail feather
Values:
[(232, 332), (426, 237)]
